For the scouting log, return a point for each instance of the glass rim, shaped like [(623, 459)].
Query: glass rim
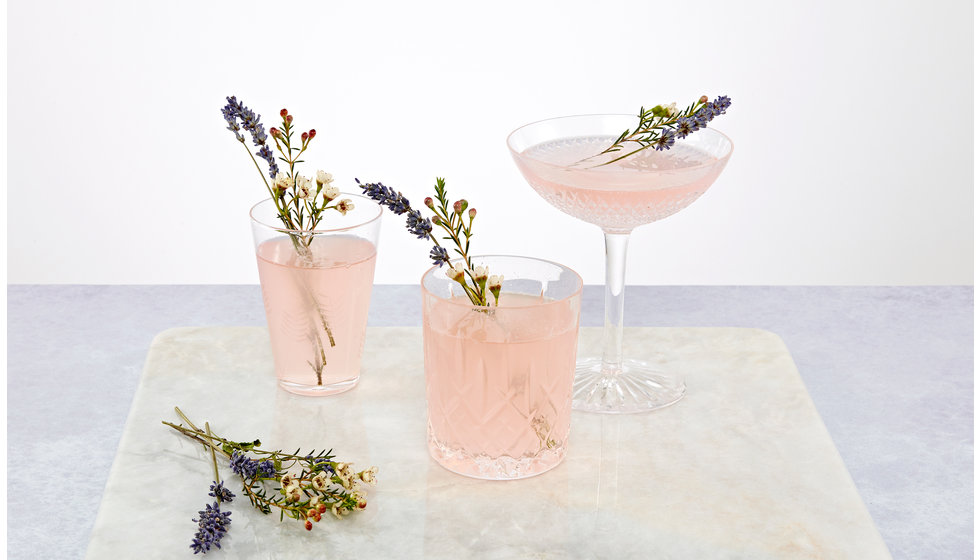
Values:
[(432, 270), (510, 146), (282, 229)]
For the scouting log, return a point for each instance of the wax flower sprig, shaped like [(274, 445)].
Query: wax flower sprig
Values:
[(661, 126), (300, 200), (301, 487), (476, 281)]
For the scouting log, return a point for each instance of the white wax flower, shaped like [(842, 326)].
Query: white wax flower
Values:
[(480, 273), (319, 481), (455, 272), (304, 187), (283, 181), (323, 178), (345, 206), (672, 109), (368, 476), (495, 282), (330, 192)]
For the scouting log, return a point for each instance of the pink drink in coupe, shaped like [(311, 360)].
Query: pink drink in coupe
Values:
[(563, 160), (499, 385), (302, 298), (640, 189)]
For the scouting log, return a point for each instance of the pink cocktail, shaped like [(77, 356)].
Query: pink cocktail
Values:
[(558, 159), (317, 290), (499, 379)]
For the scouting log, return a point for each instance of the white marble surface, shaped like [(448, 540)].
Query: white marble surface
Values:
[(742, 467), (890, 370)]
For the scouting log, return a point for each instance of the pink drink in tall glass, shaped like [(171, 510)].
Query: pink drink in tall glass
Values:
[(302, 299), (316, 287)]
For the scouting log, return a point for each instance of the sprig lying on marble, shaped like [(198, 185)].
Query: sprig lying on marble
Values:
[(302, 487), (212, 523)]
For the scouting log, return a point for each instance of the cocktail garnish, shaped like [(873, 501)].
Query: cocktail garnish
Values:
[(662, 125)]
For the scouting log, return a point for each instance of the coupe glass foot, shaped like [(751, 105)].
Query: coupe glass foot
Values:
[(637, 387)]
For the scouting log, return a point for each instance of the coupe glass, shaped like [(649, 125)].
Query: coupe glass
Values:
[(558, 158)]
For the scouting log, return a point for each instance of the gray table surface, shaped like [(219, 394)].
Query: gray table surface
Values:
[(890, 370)]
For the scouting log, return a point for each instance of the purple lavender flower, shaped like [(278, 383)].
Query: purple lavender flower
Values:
[(266, 154), (417, 225), (701, 118), (665, 141), (439, 255), (386, 196), (267, 469), (212, 524), (242, 465), (685, 126), (235, 111), (320, 464), (722, 102), (220, 493), (228, 112)]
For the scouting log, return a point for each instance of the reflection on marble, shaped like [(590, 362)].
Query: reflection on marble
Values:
[(742, 467)]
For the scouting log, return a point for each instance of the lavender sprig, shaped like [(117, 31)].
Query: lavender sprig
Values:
[(212, 526), (300, 201), (235, 111), (321, 484), (661, 126), (477, 284), (416, 224), (212, 523)]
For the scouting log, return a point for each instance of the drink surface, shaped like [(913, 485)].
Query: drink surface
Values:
[(647, 186), (300, 293), (499, 384)]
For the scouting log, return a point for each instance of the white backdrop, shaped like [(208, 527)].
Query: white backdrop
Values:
[(852, 123)]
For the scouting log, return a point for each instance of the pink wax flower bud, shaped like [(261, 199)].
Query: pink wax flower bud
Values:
[(305, 137), (283, 113), (472, 213), (312, 132), (274, 132), (704, 99), (289, 118), (459, 206), (428, 202)]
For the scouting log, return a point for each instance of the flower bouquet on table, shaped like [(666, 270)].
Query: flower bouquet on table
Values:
[(300, 487), (315, 248)]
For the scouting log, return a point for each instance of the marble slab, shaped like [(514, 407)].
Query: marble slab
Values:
[(742, 467)]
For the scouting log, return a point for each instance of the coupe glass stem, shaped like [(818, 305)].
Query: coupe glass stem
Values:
[(612, 333)]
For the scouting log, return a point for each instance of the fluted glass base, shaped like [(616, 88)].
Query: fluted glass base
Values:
[(637, 387)]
